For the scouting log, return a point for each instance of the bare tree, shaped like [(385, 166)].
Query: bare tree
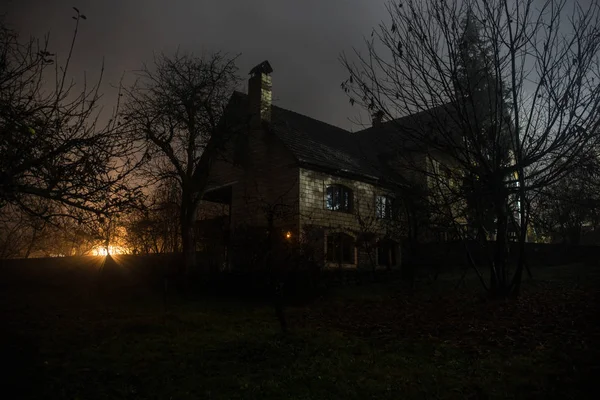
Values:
[(52, 145), (23, 235), (570, 208), (15, 233), (154, 227), (175, 109), (510, 91)]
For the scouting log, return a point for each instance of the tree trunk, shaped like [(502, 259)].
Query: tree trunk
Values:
[(369, 251), (188, 261), (276, 281), (516, 284), (408, 268), (31, 243), (499, 275), (189, 245), (517, 279)]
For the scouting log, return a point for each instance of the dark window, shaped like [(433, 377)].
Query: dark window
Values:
[(340, 248), (339, 198), (386, 252), (384, 206)]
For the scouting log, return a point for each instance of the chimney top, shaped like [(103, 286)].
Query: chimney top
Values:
[(259, 93), (377, 118), (262, 68)]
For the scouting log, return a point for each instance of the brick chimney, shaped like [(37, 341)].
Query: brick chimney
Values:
[(377, 118), (259, 94)]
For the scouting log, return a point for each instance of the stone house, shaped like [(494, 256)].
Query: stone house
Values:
[(309, 181)]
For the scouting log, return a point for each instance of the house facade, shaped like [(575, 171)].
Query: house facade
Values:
[(306, 182)]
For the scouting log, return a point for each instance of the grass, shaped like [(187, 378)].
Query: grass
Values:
[(77, 331)]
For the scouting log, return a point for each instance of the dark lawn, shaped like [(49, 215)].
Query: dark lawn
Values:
[(73, 331)]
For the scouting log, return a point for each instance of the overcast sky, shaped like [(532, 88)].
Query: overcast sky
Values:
[(302, 39)]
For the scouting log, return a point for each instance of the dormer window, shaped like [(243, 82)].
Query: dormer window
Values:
[(338, 198)]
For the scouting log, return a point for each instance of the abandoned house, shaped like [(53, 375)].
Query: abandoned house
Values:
[(312, 183)]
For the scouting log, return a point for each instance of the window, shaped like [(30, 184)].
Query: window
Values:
[(339, 198), (386, 252), (340, 248), (384, 207), (433, 170)]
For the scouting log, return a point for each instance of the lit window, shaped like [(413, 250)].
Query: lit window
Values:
[(340, 248), (339, 198), (384, 207)]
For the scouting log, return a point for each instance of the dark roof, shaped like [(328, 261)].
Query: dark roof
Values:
[(402, 133), (323, 146), (262, 68), (316, 143)]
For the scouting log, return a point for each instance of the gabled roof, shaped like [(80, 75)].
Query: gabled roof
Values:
[(315, 143), (319, 145), (404, 132)]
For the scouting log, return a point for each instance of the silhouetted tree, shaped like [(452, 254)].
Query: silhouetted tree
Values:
[(23, 235), (174, 109), (52, 145), (564, 210), (155, 227), (511, 95)]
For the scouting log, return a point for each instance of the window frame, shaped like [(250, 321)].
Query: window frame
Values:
[(339, 245), (338, 192), (389, 211)]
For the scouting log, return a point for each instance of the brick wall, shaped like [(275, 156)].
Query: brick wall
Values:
[(267, 179), (270, 184), (264, 181), (362, 220)]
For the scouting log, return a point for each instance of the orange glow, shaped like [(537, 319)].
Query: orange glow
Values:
[(101, 250), (288, 235)]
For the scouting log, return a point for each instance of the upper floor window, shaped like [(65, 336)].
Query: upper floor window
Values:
[(384, 207), (339, 198)]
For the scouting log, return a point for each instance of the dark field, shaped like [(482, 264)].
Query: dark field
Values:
[(73, 330)]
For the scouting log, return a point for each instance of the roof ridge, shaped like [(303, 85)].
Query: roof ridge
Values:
[(406, 117), (314, 119), (297, 113)]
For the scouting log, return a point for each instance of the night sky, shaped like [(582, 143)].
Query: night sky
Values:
[(301, 39)]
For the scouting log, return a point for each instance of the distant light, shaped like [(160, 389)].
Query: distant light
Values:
[(101, 250), (288, 235)]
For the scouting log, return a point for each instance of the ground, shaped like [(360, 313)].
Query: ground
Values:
[(75, 330)]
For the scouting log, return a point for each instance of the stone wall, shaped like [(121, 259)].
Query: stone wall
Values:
[(264, 181), (360, 223)]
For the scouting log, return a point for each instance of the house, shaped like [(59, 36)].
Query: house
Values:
[(309, 181)]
